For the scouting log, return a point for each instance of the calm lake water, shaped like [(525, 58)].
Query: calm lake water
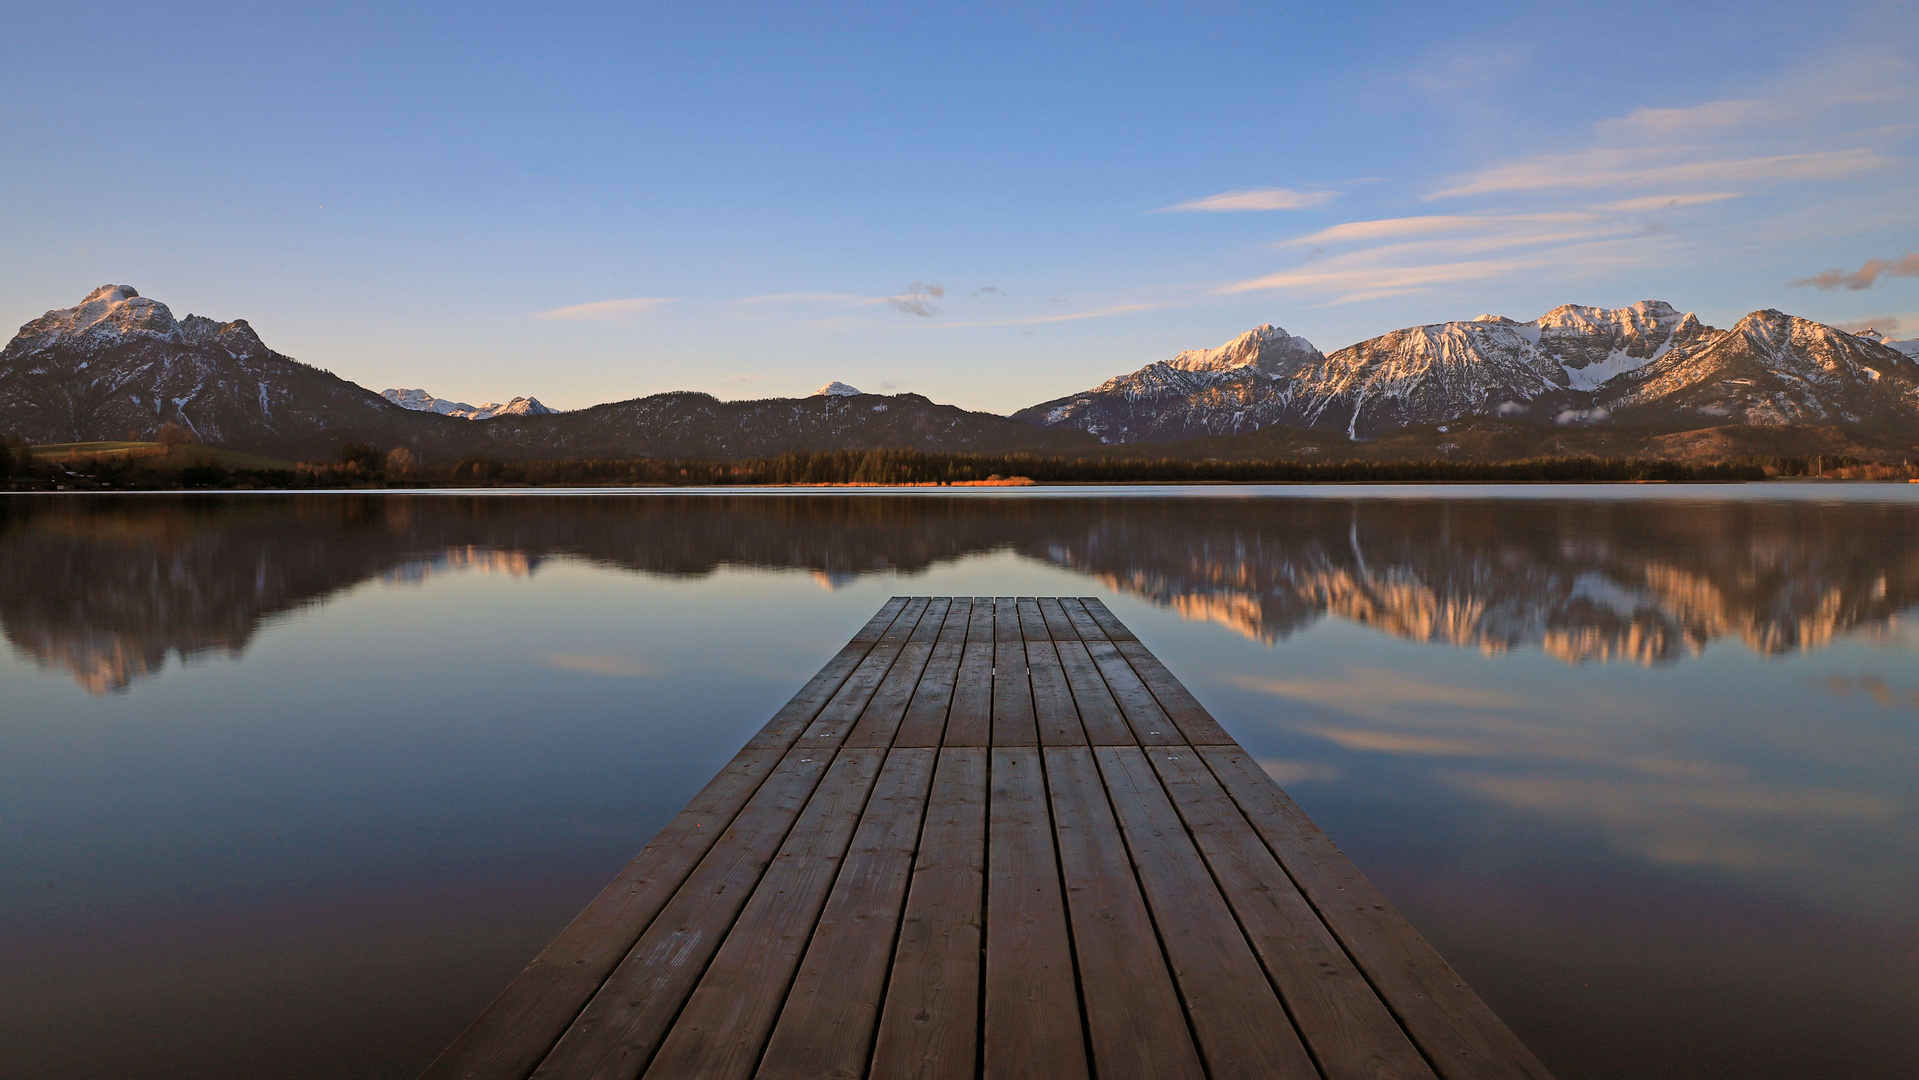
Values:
[(291, 786)]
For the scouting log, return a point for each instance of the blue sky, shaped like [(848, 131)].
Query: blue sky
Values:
[(989, 204)]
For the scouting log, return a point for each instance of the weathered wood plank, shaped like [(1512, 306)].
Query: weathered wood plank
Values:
[(1054, 712), (624, 1022), (1013, 723), (1149, 722), (1099, 714), (724, 1026), (981, 626), (1134, 1020), (1032, 1025), (1058, 626), (1084, 625), (969, 721), (1241, 1027), (1349, 1031), (1108, 622), (929, 1028), (1189, 717), (826, 1026), (1032, 624), (886, 710), (804, 706), (1458, 1033), (508, 1040), (925, 721)]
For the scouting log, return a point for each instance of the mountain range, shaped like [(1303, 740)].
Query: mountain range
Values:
[(1646, 378)]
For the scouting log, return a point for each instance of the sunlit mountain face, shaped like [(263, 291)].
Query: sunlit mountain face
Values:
[(109, 588)]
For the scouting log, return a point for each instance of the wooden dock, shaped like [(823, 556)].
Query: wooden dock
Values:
[(992, 838)]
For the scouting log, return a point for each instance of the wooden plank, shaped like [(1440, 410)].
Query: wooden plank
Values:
[(1032, 624), (724, 1027), (881, 719), (1054, 713), (886, 710), (1013, 723), (625, 1021), (1241, 1027), (1137, 704), (1058, 626), (958, 617), (925, 721), (843, 711), (528, 1017), (981, 626), (1458, 1033), (1134, 1021), (1099, 714), (1108, 622), (933, 622), (826, 1026), (1189, 717), (929, 1028), (1032, 1024), (798, 712), (1084, 625), (1348, 1029), (969, 721)]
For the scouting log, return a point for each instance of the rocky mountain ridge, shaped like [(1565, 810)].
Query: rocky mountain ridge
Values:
[(118, 365), (1647, 363)]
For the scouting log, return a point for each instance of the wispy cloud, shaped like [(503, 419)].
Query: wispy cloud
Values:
[(1252, 199), (1603, 168), (1866, 276), (606, 310), (1666, 202), (1433, 225), (1690, 121)]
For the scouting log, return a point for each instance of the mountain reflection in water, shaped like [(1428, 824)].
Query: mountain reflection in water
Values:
[(107, 587)]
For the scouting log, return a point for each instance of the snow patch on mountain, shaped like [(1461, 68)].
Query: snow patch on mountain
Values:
[(837, 389)]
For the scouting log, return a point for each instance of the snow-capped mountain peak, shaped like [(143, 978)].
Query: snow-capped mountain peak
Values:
[(1574, 364), (1268, 348), (421, 401), (837, 389)]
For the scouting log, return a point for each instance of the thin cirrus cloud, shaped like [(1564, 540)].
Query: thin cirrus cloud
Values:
[(606, 310), (1632, 168), (1432, 225), (1358, 282), (1252, 199), (1866, 276), (1667, 202)]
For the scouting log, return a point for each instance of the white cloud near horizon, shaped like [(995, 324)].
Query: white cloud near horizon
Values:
[(1252, 199), (606, 310)]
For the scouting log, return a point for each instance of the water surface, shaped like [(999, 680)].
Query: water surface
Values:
[(290, 786)]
